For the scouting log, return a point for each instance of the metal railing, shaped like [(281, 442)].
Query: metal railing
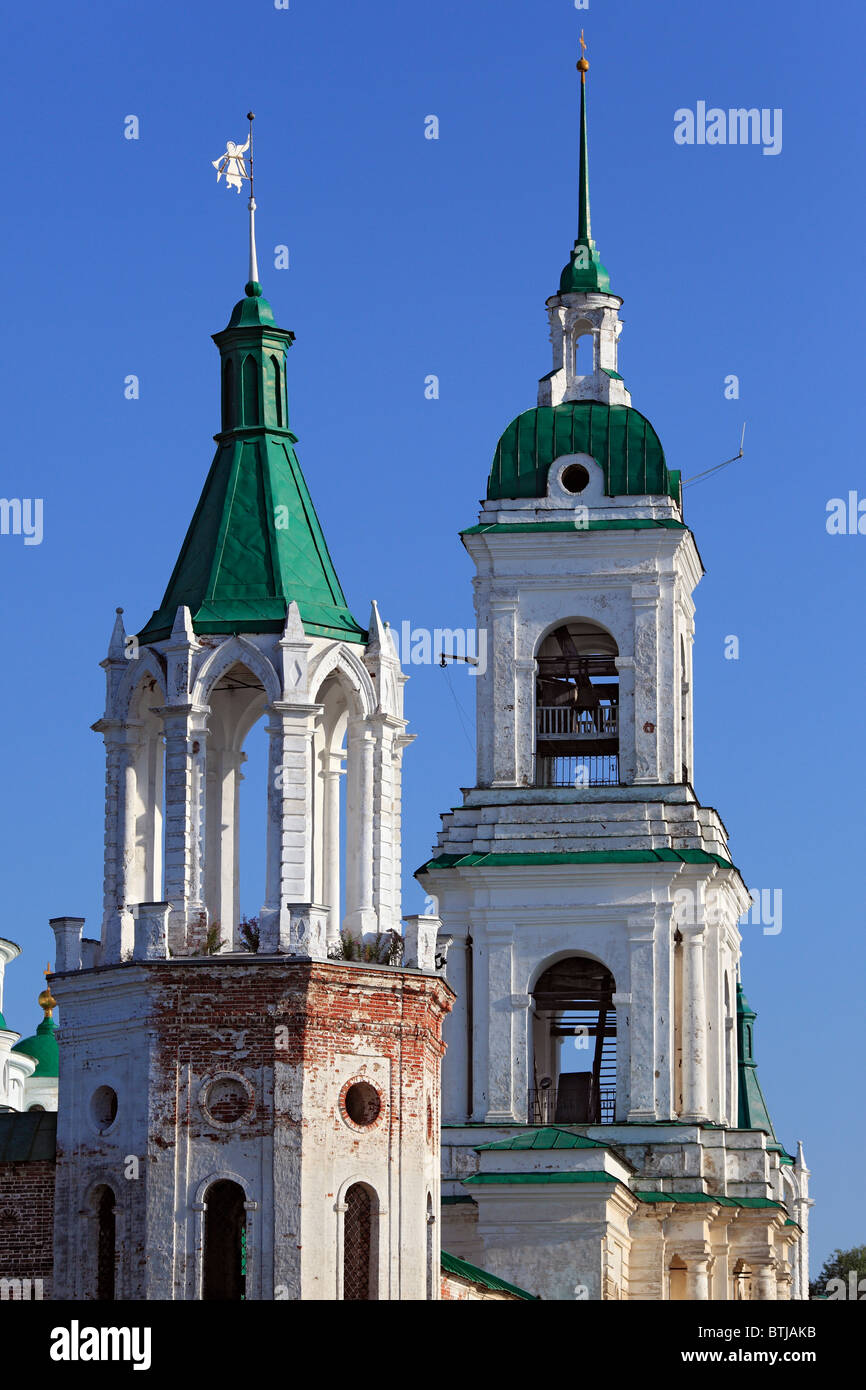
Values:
[(587, 770), (564, 721), (542, 1105)]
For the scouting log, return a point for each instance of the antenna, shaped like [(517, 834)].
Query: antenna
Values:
[(696, 477)]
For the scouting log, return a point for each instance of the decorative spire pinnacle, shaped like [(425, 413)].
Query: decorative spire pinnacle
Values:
[(232, 165), (585, 270), (46, 1000)]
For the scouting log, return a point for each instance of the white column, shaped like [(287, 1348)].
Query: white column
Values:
[(694, 1024), (289, 873), (627, 755), (503, 612), (120, 797), (387, 752), (360, 914), (332, 771), (185, 741), (640, 1018), (497, 1004)]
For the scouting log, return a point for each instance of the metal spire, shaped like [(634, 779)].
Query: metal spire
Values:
[(583, 228), (231, 164)]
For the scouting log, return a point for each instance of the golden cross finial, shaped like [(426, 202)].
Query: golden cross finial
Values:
[(582, 64)]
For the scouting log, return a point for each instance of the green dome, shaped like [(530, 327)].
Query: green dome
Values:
[(43, 1047), (620, 439)]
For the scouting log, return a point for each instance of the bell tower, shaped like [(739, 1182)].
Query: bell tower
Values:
[(592, 898)]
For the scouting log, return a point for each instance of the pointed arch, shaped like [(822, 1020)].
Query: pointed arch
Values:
[(236, 651), (147, 663), (250, 390), (338, 660)]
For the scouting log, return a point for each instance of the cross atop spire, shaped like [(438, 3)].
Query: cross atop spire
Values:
[(585, 270)]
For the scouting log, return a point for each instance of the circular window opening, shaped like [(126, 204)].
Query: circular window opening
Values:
[(103, 1108), (362, 1103), (574, 478), (227, 1100)]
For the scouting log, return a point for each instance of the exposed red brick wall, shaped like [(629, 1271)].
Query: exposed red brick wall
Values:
[(27, 1222)]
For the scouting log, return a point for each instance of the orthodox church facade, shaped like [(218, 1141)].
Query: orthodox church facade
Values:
[(605, 1136)]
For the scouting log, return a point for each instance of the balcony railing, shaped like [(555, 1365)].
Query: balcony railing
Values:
[(588, 770), (543, 1111), (566, 722)]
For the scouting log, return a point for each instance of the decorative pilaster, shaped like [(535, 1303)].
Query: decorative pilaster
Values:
[(645, 599), (640, 1003), (694, 1023), (185, 754), (289, 874), (503, 614), (360, 912)]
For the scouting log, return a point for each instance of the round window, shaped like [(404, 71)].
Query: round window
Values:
[(574, 478), (103, 1108), (362, 1104), (227, 1100)]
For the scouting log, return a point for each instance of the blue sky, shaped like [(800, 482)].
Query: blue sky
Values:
[(410, 257)]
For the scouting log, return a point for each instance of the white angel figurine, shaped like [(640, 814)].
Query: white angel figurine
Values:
[(232, 164)]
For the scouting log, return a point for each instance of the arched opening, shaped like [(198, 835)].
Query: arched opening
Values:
[(577, 707), (250, 379), (236, 802), (224, 1272), (106, 1241), (677, 1277), (277, 387), (574, 1044), (228, 390), (359, 1245), (329, 803), (742, 1281), (584, 355)]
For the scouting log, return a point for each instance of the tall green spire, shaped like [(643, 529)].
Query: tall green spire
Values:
[(254, 543), (585, 270), (752, 1108)]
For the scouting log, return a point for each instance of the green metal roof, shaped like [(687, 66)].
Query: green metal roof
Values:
[(536, 1179), (550, 1137), (581, 856), (43, 1046), (30, 1137), (615, 524), (620, 439), (752, 1108), (699, 1197), (2, 1022), (463, 1270), (254, 543)]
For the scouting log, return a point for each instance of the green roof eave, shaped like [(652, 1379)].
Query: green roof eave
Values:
[(611, 856), (462, 1269), (692, 1198), (614, 524), (540, 1179)]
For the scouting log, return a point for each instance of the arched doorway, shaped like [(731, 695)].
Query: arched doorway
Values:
[(106, 1243), (359, 1245), (577, 707), (224, 1275), (574, 1035)]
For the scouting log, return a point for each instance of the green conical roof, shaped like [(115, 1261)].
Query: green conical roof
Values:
[(43, 1046), (752, 1108), (585, 270), (254, 543)]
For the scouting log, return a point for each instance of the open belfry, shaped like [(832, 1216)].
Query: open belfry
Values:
[(551, 1072), (604, 1132)]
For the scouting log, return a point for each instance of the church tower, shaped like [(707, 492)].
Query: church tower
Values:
[(591, 1082), (250, 1108)]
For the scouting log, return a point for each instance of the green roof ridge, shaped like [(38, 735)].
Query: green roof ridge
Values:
[(255, 543), (534, 1179), (548, 1137)]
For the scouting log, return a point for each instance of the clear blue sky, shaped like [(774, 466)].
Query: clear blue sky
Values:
[(411, 257)]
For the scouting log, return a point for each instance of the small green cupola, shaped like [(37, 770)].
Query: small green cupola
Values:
[(585, 270), (752, 1108), (255, 543), (43, 1045)]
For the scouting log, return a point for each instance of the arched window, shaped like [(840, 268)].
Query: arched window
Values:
[(574, 1035), (224, 1242), (228, 389), (359, 1272), (251, 391), (577, 707), (584, 350), (105, 1244), (278, 392), (677, 1275)]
